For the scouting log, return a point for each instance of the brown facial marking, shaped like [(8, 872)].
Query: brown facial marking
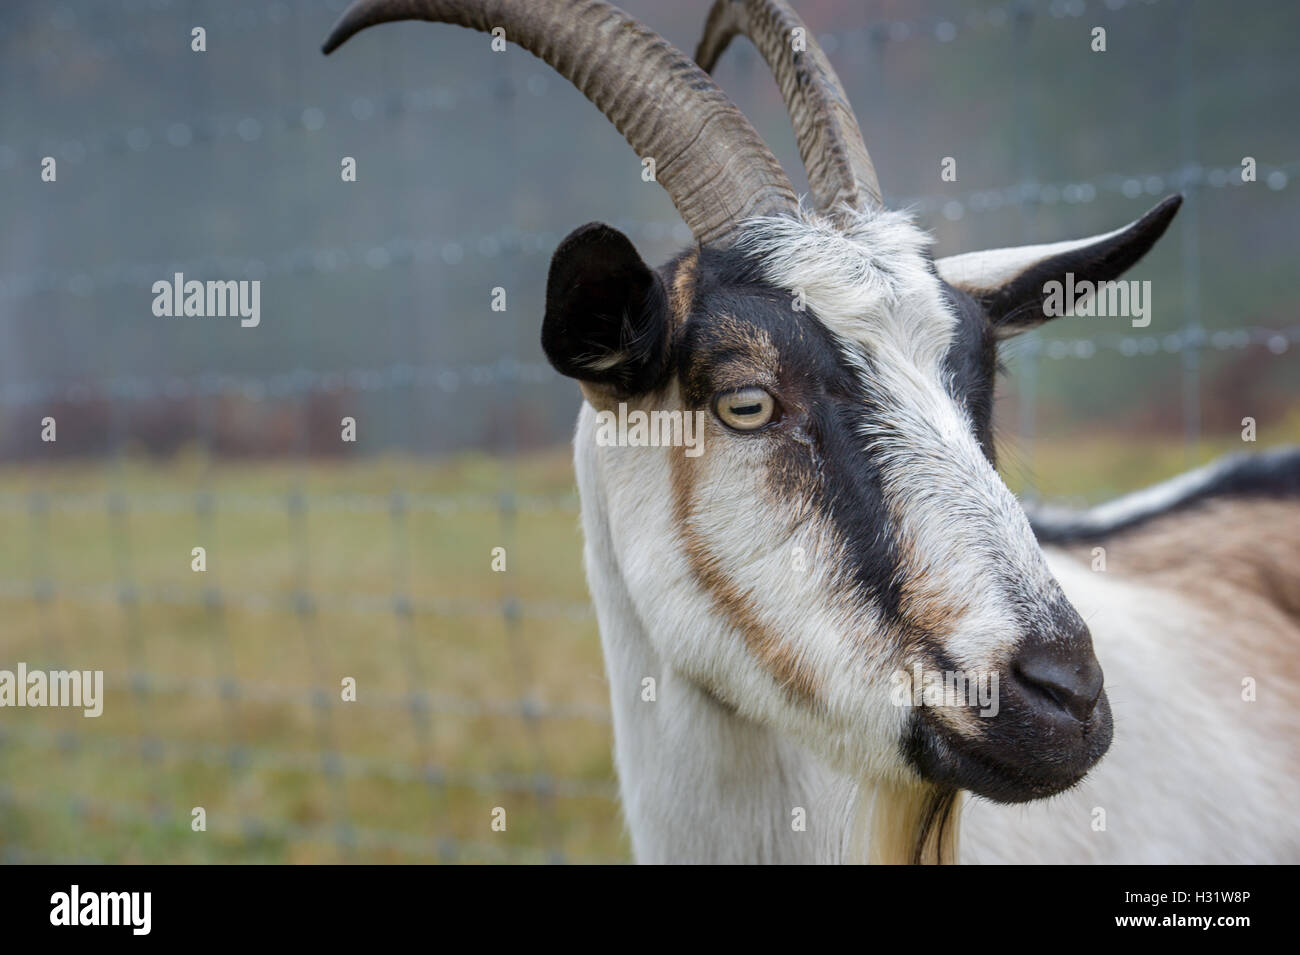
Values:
[(928, 615), (751, 359), (682, 297), (927, 618), (777, 657)]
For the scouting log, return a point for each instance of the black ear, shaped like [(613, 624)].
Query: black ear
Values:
[(1009, 283), (606, 313)]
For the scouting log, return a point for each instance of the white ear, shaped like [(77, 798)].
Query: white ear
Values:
[(1009, 282), (978, 273)]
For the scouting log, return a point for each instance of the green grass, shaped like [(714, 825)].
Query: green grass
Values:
[(287, 771), (256, 762)]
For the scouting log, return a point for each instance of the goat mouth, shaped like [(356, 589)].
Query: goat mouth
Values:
[(998, 768)]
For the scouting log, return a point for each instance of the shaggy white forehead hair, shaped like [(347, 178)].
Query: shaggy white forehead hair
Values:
[(866, 275)]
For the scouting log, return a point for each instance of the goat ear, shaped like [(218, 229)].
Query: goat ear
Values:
[(606, 312), (1009, 282)]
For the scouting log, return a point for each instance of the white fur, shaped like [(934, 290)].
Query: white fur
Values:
[(698, 783), (631, 535)]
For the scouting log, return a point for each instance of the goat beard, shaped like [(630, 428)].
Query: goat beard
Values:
[(906, 823)]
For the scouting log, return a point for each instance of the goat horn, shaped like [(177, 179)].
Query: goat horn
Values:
[(830, 142), (715, 167)]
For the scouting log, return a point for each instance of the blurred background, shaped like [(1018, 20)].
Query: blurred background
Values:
[(371, 559)]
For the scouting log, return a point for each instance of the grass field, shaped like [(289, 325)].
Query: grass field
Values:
[(223, 688)]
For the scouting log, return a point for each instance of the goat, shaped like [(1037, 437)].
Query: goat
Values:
[(845, 523)]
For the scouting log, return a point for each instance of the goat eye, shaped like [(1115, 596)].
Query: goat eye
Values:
[(745, 410)]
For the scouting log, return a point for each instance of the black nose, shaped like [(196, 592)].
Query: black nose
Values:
[(1065, 675)]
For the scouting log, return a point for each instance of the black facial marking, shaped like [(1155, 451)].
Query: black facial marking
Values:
[(971, 365)]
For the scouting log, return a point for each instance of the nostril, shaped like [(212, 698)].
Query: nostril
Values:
[(1071, 681)]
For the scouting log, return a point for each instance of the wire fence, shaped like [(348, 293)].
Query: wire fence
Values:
[(417, 616), (407, 251), (83, 569)]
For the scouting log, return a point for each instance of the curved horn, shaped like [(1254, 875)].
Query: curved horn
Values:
[(830, 143), (714, 165)]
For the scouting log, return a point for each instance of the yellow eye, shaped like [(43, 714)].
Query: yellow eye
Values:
[(747, 409)]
